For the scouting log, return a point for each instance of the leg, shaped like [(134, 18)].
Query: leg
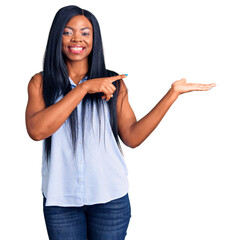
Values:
[(65, 223), (108, 221)]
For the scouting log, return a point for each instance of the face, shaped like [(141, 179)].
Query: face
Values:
[(77, 38)]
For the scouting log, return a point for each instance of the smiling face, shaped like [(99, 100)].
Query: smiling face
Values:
[(77, 39)]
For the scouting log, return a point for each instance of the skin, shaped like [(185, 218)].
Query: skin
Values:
[(42, 122)]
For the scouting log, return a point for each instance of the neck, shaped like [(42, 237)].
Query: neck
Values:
[(77, 69)]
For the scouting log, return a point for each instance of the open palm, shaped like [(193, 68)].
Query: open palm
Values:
[(181, 86)]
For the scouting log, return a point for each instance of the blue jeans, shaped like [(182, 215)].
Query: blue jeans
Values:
[(105, 221)]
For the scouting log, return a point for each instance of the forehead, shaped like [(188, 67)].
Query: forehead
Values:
[(79, 21)]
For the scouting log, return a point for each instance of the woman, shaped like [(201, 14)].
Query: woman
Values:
[(79, 108)]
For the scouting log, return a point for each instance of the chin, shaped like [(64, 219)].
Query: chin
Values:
[(75, 58)]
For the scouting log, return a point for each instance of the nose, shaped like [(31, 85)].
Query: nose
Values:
[(77, 38)]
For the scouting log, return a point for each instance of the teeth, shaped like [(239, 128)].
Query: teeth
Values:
[(77, 49)]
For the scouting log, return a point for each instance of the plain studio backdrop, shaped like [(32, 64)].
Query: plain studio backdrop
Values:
[(185, 178)]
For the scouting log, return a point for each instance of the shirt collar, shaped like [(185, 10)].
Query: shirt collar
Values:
[(82, 80)]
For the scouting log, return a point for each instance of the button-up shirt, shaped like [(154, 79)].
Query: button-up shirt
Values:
[(95, 173)]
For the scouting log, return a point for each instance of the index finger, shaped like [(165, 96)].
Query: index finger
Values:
[(118, 77)]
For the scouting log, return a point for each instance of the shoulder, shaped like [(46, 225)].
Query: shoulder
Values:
[(36, 82)]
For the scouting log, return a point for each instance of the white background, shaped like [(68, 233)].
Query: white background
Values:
[(185, 178)]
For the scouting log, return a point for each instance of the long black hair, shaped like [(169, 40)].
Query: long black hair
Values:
[(56, 76)]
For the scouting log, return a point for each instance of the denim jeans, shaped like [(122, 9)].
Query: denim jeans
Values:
[(105, 221)]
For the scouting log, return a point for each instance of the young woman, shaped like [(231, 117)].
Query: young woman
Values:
[(80, 109)]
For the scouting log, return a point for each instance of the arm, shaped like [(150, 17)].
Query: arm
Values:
[(42, 122), (133, 132)]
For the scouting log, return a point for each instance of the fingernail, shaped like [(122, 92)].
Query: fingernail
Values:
[(126, 74)]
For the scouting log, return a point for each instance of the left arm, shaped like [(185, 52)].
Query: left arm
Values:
[(133, 132)]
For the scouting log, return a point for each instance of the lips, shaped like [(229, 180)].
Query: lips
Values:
[(76, 49)]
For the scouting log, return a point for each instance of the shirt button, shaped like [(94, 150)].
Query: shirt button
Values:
[(79, 180)]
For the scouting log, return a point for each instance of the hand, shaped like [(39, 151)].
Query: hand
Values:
[(181, 86), (103, 85)]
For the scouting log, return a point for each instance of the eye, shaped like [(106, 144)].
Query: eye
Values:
[(85, 34), (66, 33)]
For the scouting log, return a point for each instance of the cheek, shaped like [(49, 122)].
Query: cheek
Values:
[(64, 47), (64, 42), (90, 43), (63, 50)]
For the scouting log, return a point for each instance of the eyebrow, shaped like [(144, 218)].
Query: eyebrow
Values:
[(80, 29)]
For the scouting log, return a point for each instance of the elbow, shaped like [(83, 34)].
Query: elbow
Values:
[(34, 133), (35, 136), (132, 144), (130, 140)]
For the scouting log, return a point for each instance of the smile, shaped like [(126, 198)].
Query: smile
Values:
[(76, 49)]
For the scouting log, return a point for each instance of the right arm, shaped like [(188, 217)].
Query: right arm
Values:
[(42, 122)]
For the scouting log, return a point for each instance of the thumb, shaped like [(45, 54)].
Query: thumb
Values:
[(178, 82), (183, 80)]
